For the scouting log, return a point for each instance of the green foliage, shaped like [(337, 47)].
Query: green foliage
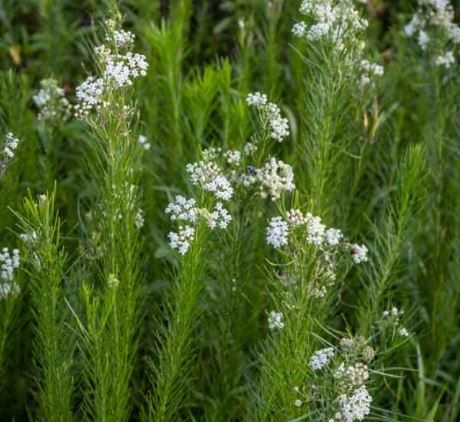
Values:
[(54, 339), (104, 321)]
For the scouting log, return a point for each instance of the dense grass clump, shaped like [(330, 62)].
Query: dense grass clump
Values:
[(229, 210)]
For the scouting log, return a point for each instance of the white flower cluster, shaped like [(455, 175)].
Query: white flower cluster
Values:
[(257, 99), (9, 289), (446, 60), (275, 320), (316, 233), (350, 375), (369, 71), (277, 232), (181, 240), (354, 407), (233, 157), (9, 262), (327, 241), (334, 20), (217, 170), (275, 177), (393, 316), (295, 217), (118, 70), (122, 69), (208, 175), (11, 143), (355, 375), (316, 230), (89, 96), (333, 236), (219, 217), (249, 148), (184, 210), (321, 358), (272, 179), (339, 22), (359, 253), (271, 114), (434, 16), (121, 38), (51, 101), (139, 219)]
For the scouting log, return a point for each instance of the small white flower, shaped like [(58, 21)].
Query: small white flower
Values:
[(433, 16), (275, 320), (446, 60), (8, 263), (321, 358), (233, 157), (220, 186), (403, 332), (256, 99), (355, 375), (316, 231), (359, 253), (209, 176), (51, 100), (11, 143), (122, 69), (333, 236), (181, 241), (249, 148), (144, 142), (412, 26), (122, 38), (277, 232), (182, 209), (393, 313), (295, 217), (219, 217), (299, 29), (369, 71), (298, 403), (423, 39), (42, 199), (89, 96), (9, 289), (139, 219)]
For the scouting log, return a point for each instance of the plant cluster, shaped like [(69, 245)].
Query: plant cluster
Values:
[(239, 211)]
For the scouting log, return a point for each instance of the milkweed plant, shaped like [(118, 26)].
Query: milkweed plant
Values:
[(229, 211)]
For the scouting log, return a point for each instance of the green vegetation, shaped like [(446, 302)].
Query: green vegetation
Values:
[(241, 210)]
